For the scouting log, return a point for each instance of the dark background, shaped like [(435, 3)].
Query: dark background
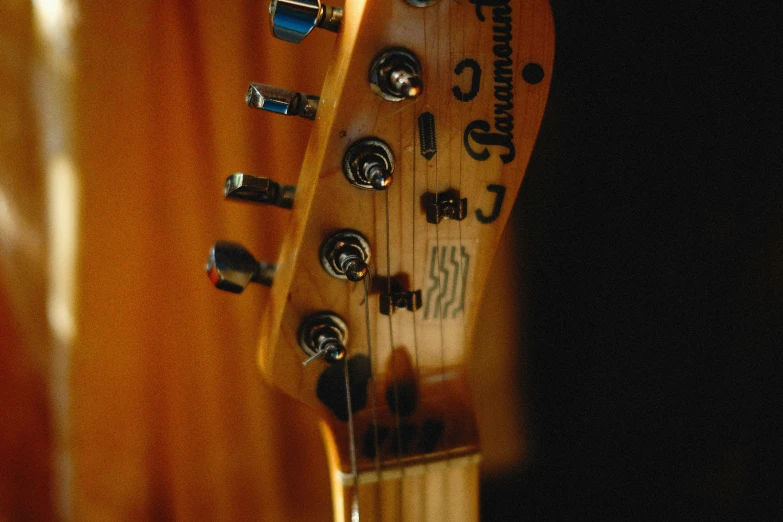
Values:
[(651, 229)]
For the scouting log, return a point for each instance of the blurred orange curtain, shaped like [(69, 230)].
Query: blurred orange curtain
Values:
[(164, 415), (170, 419), (26, 438)]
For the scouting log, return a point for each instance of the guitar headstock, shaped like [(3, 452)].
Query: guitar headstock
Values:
[(421, 137)]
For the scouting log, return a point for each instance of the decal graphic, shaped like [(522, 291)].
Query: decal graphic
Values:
[(448, 276)]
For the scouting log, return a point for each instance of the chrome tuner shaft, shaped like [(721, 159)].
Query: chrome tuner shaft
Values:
[(395, 75), (231, 267), (244, 187), (369, 164), (323, 336), (345, 255), (281, 101), (292, 20)]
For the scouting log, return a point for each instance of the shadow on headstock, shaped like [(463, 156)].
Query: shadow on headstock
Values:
[(421, 138)]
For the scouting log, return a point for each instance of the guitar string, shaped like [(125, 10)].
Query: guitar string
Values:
[(437, 253), (413, 266), (354, 471), (437, 224), (373, 391), (443, 312), (395, 385), (414, 208), (462, 278)]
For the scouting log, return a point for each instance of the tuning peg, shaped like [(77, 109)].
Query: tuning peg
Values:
[(258, 190), (292, 20), (345, 255), (281, 101), (231, 267), (323, 336), (395, 75)]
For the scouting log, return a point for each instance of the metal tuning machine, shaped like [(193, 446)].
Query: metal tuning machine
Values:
[(346, 255), (369, 164), (292, 20), (254, 189), (281, 101), (231, 267), (395, 75), (323, 336)]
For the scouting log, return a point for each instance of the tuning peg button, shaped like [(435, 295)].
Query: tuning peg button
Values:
[(292, 20), (258, 190), (231, 267), (281, 101)]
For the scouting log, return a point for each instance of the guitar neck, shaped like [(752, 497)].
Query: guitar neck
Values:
[(446, 489)]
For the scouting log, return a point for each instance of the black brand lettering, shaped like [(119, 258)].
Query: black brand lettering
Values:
[(500, 192), (479, 131), (475, 79), (489, 3)]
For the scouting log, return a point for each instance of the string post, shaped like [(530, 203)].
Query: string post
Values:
[(346, 255), (395, 75), (378, 176), (369, 164), (323, 336)]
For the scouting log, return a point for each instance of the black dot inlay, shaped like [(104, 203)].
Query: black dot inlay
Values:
[(532, 73)]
